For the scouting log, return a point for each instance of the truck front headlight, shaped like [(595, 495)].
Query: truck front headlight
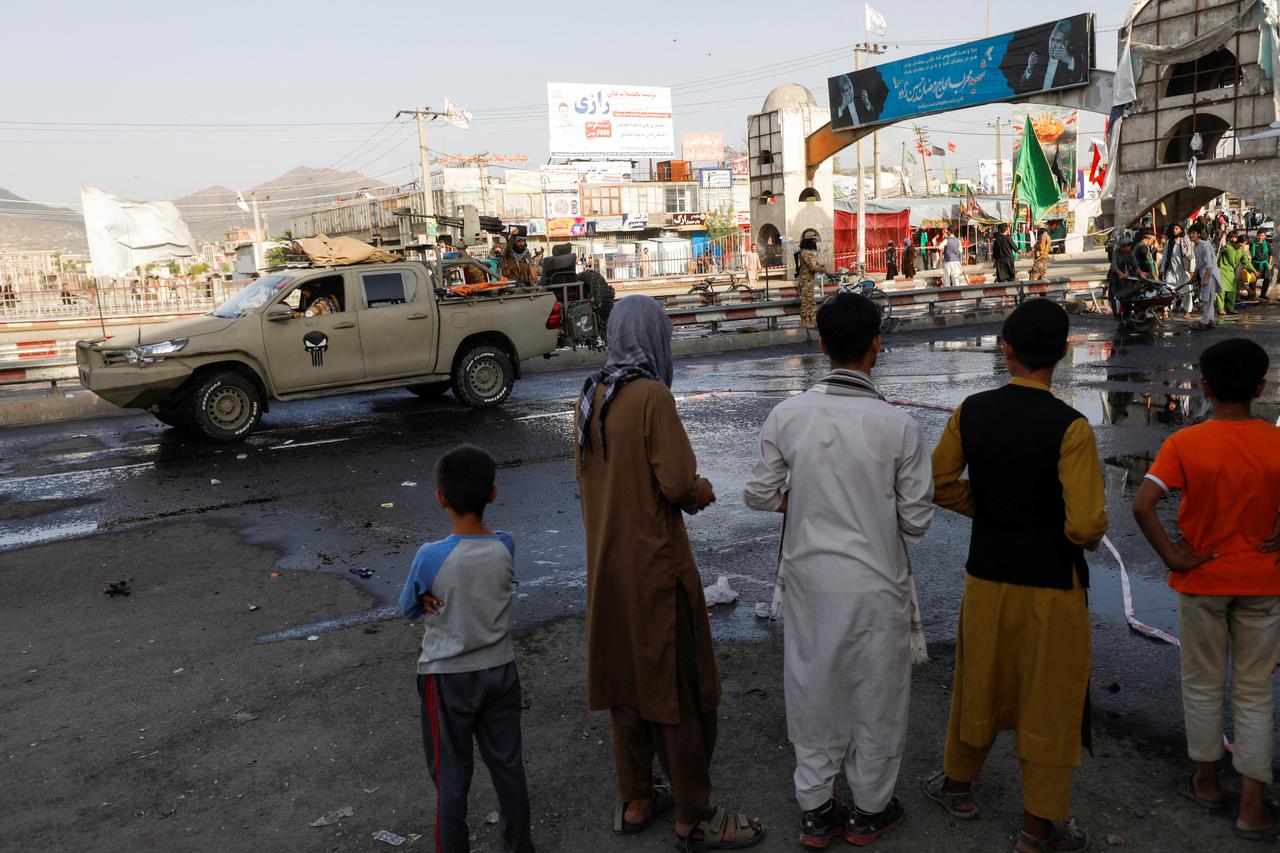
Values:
[(148, 353)]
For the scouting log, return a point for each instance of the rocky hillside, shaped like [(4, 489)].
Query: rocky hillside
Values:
[(208, 212), (211, 211), (36, 226)]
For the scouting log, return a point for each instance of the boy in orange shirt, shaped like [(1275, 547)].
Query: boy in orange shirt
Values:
[(1226, 569)]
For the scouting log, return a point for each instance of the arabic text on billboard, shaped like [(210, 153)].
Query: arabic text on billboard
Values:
[(702, 147), (606, 120), (715, 178), (1051, 56)]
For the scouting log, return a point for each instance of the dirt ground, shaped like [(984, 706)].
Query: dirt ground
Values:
[(155, 722)]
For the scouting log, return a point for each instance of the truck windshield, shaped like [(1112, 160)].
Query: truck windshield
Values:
[(254, 297)]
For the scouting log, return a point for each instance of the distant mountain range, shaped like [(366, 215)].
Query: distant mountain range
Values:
[(208, 212), (24, 225), (211, 211)]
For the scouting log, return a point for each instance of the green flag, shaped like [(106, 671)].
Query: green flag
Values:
[(1033, 182)]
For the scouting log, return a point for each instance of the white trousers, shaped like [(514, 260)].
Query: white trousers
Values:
[(1245, 629), (952, 274), (871, 780), (1207, 294)]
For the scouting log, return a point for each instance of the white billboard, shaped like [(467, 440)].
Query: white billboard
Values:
[(988, 174), (607, 120)]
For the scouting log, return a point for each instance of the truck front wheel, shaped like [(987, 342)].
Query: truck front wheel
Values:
[(483, 377), (225, 406)]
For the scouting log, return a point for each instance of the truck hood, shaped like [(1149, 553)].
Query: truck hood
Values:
[(188, 327)]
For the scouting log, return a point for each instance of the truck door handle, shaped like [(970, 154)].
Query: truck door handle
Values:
[(417, 317), (347, 325)]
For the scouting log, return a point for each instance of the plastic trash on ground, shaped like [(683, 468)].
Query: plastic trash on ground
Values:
[(720, 592), (334, 816), (389, 838)]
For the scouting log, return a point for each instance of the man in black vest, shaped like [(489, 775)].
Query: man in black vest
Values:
[(1035, 495)]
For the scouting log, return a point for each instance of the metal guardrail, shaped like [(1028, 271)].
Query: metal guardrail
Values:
[(54, 361)]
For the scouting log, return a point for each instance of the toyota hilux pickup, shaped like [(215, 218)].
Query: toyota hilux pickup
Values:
[(306, 332)]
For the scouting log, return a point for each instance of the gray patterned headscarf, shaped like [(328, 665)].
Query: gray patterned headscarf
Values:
[(639, 348)]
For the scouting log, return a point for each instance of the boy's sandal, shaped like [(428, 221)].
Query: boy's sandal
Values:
[(748, 833), (1063, 838), (663, 802), (1186, 786), (862, 829), (1272, 831), (935, 788)]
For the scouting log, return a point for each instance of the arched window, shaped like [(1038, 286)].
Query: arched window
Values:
[(1216, 70), (1211, 128), (809, 194), (769, 244)]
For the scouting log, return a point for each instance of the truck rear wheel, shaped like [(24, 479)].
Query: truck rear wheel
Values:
[(224, 406), (483, 377)]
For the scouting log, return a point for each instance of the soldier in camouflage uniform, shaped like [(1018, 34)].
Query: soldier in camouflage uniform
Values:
[(808, 268), (517, 262)]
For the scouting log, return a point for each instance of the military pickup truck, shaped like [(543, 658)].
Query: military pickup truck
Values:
[(311, 332)]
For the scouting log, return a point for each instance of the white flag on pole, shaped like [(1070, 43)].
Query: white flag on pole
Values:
[(456, 115), (240, 202), (126, 234), (875, 22)]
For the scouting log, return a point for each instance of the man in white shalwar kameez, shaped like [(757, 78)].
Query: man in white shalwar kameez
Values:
[(853, 475)]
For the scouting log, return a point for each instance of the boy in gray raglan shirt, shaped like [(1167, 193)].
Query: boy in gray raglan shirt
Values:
[(461, 586)]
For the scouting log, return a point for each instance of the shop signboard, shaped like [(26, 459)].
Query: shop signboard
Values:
[(715, 178), (702, 147)]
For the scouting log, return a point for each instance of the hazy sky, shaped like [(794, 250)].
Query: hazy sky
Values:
[(320, 81)]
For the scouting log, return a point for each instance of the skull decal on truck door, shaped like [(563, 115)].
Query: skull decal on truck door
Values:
[(316, 343)]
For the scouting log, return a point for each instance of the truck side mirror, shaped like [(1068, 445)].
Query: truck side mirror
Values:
[(279, 312)]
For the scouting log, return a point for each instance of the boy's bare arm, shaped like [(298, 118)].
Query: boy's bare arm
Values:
[(1177, 556)]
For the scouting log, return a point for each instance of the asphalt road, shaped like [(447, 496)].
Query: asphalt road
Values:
[(331, 485)]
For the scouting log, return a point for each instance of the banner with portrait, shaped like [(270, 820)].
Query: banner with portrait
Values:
[(1044, 58)]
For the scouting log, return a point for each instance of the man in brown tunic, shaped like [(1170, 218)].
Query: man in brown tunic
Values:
[(649, 656)]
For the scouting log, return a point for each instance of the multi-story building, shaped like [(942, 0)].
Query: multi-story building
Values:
[(27, 270), (601, 211), (1205, 91)]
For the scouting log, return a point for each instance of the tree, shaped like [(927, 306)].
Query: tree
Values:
[(278, 256), (721, 223), (199, 268)]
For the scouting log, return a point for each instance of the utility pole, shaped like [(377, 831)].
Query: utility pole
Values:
[(902, 171), (921, 142), (424, 157), (999, 159), (257, 218), (875, 50)]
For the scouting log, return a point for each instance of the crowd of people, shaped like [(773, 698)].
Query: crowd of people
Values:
[(1209, 261), (857, 486)]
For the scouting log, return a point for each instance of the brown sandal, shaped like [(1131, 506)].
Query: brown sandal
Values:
[(1063, 838), (714, 830), (935, 788), (663, 802)]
